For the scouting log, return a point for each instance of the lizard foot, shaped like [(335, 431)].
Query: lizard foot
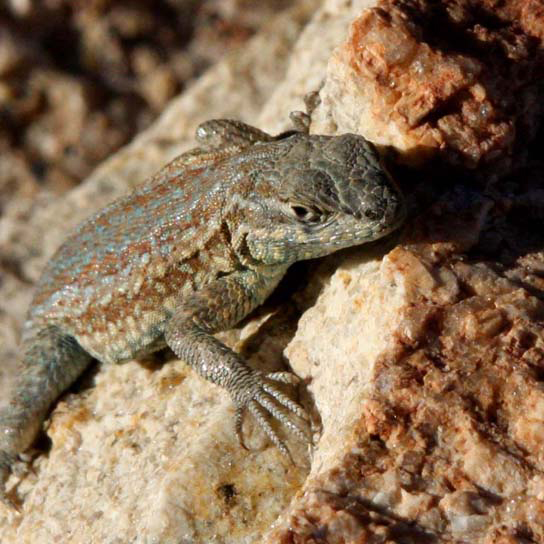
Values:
[(6, 466), (265, 396)]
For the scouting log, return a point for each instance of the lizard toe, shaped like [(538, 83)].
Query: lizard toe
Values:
[(238, 421), (284, 377), (258, 413), (284, 417), (265, 399), (283, 399)]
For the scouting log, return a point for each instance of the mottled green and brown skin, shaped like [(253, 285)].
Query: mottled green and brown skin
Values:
[(190, 253)]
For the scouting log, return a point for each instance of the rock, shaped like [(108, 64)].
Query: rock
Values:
[(456, 76), (422, 353), (425, 370)]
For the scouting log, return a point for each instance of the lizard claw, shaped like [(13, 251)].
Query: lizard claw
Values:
[(12, 503), (6, 464), (266, 397)]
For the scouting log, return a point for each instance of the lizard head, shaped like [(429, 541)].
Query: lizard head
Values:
[(323, 193)]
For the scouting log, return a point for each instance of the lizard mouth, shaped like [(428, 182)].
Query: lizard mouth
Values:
[(382, 210), (372, 215), (395, 211)]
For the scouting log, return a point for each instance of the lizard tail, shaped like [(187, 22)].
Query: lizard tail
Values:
[(52, 362)]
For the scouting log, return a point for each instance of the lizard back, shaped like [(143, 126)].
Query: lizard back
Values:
[(116, 280)]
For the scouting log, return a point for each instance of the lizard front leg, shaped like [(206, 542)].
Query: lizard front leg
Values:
[(217, 307)]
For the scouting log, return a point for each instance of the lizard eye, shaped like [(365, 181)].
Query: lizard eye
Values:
[(307, 215)]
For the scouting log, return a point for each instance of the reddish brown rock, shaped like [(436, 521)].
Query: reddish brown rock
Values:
[(460, 76)]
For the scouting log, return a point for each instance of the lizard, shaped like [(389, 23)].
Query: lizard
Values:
[(190, 253)]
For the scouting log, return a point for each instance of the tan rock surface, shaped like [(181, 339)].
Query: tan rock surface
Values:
[(423, 366)]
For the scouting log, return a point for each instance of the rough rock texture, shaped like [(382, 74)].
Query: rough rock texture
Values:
[(432, 424), (458, 76), (423, 354)]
